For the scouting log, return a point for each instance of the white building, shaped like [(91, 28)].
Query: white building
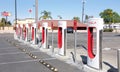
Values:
[(113, 26), (25, 21)]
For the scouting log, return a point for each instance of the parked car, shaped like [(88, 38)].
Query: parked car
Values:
[(69, 30)]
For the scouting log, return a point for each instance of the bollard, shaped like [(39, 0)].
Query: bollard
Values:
[(118, 59), (75, 39)]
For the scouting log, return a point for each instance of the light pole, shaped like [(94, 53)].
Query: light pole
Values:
[(15, 11), (36, 11), (83, 4)]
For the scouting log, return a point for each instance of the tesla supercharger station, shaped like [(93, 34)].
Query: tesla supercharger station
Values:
[(62, 37), (27, 27), (24, 32), (29, 32), (34, 33), (21, 32), (44, 35), (16, 32), (95, 60)]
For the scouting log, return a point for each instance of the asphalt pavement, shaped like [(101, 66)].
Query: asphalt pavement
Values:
[(110, 45), (16, 56)]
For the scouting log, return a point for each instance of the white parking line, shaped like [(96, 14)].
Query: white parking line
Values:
[(46, 59), (9, 48), (15, 53), (18, 62)]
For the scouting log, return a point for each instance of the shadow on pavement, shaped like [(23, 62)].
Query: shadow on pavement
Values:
[(82, 46), (84, 59), (112, 69), (117, 35)]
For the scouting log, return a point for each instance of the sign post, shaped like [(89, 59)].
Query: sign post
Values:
[(118, 59), (75, 39), (52, 37)]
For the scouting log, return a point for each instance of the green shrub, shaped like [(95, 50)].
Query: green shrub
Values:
[(108, 30)]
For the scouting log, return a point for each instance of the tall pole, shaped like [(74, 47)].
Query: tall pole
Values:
[(118, 59), (15, 11), (36, 11), (75, 40), (83, 4)]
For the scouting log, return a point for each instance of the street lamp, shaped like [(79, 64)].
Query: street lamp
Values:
[(36, 11), (83, 4), (15, 11)]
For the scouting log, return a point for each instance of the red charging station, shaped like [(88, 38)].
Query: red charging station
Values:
[(16, 32), (62, 37), (21, 32), (29, 32), (24, 32), (44, 35), (95, 60), (34, 34)]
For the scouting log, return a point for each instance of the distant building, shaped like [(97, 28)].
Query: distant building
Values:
[(113, 26), (25, 21), (80, 26)]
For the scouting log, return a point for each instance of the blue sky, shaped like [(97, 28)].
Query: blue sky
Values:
[(65, 8)]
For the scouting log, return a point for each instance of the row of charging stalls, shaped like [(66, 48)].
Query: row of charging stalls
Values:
[(61, 36), (26, 32), (95, 59), (19, 32)]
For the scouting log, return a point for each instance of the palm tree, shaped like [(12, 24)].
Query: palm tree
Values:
[(86, 18), (59, 17), (45, 15), (3, 22), (76, 18)]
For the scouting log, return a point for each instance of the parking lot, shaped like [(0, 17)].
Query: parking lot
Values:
[(12, 59), (110, 44), (18, 57)]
